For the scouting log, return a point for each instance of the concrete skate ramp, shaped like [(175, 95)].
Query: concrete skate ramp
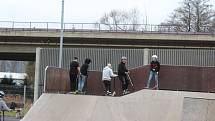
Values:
[(144, 105), (196, 109)]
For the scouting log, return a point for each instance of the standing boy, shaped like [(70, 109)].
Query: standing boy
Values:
[(154, 70), (122, 73), (73, 74), (107, 73), (83, 75)]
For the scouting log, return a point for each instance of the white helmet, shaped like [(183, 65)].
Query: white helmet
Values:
[(123, 58), (2, 94), (154, 56), (109, 65)]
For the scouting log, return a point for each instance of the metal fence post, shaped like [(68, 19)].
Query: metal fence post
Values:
[(12, 25), (99, 26), (146, 56), (24, 97), (47, 25), (30, 25), (151, 28)]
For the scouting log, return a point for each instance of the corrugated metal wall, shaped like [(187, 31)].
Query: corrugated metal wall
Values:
[(100, 57), (188, 57)]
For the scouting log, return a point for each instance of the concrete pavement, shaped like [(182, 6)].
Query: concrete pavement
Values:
[(144, 105), (10, 119)]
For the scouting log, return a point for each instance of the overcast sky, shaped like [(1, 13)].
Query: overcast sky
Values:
[(83, 10)]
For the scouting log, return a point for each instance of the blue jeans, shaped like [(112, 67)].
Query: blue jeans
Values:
[(151, 75), (81, 82)]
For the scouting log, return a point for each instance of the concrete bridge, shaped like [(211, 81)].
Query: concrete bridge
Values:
[(21, 43)]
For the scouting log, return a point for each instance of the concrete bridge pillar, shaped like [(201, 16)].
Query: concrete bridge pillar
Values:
[(146, 56), (37, 71)]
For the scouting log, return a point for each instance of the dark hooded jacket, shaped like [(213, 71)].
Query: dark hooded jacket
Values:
[(85, 66), (122, 69)]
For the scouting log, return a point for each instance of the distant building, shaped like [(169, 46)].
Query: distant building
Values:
[(18, 78)]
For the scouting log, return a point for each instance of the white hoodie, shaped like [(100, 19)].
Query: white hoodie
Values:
[(3, 105), (107, 73)]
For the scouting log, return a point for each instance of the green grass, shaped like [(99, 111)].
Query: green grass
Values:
[(13, 113), (10, 113)]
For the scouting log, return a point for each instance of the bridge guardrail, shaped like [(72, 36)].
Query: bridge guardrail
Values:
[(92, 27)]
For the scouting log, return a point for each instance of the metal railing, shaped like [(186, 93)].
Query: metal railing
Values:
[(12, 89), (92, 27)]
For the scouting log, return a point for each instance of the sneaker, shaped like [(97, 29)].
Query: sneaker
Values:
[(124, 92), (76, 92), (155, 87), (79, 92), (127, 91), (108, 93)]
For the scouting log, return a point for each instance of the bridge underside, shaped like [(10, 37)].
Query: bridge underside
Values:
[(23, 48), (18, 56), (105, 42)]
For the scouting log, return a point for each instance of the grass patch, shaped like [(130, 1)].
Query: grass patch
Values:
[(25, 110), (14, 112), (10, 113)]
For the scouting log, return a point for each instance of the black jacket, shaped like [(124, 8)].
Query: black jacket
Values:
[(155, 66), (85, 66), (122, 69), (74, 67), (84, 69)]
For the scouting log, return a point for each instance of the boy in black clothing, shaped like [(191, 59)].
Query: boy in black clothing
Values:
[(154, 70), (83, 75), (73, 73), (122, 73)]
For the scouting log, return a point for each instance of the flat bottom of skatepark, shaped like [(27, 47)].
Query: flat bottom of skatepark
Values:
[(144, 105)]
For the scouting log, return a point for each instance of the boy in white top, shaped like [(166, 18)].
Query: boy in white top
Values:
[(3, 106), (106, 78)]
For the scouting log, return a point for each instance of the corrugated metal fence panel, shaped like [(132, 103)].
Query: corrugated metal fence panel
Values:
[(48, 57), (181, 57), (100, 57)]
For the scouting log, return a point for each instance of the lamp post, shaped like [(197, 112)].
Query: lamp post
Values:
[(61, 35)]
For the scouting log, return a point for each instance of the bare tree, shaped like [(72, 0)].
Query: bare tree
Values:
[(192, 15), (121, 20), (134, 17)]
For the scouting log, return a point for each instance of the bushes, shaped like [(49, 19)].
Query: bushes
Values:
[(8, 81)]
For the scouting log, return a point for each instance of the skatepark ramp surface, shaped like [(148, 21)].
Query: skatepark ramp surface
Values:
[(144, 105), (197, 109)]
